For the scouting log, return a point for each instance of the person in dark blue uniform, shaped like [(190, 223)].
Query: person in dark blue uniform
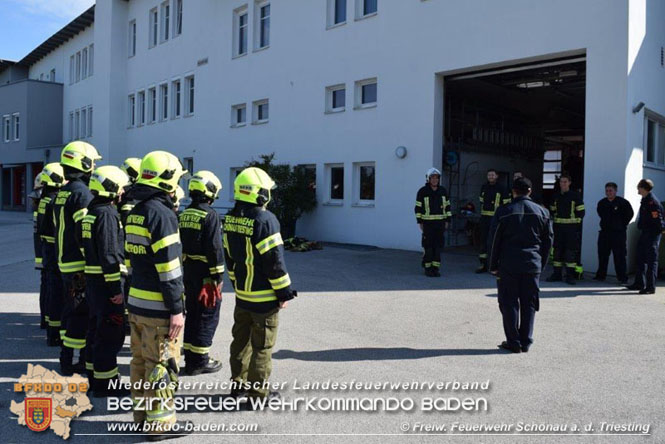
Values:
[(519, 243), (651, 225), (615, 214)]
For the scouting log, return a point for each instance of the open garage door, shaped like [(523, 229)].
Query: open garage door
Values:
[(527, 118)]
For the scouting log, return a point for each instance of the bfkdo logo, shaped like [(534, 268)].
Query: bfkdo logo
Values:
[(38, 413)]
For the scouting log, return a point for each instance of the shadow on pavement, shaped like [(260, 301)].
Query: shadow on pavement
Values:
[(379, 354)]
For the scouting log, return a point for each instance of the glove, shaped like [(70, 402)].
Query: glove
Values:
[(164, 379), (210, 293)]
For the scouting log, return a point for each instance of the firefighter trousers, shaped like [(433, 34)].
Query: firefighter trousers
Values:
[(484, 225), (200, 325), (567, 238), (432, 242), (54, 297)]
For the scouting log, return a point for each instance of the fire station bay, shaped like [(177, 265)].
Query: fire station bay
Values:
[(367, 93)]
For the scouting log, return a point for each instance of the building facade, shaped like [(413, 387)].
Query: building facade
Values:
[(361, 90)]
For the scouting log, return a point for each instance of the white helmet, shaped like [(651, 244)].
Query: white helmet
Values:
[(432, 172)]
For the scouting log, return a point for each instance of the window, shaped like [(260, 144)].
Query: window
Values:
[(154, 28), (72, 68), (551, 168), (238, 115), (177, 24), (261, 111), (655, 140), (132, 39), (240, 27), (166, 17), (335, 98), (91, 59), (335, 182), (366, 93), (336, 12), (6, 128), (51, 76), (84, 123), (152, 103), (141, 108), (364, 182), (131, 111), (365, 8), (71, 125), (78, 66), (77, 121), (176, 88), (163, 101), (90, 121), (17, 126), (189, 99), (263, 25), (84, 63)]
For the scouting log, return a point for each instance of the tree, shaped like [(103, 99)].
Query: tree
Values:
[(294, 195)]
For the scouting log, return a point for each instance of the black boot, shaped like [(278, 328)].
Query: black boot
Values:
[(555, 276), (482, 268), (212, 366), (571, 276)]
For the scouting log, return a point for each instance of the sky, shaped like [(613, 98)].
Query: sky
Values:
[(25, 24)]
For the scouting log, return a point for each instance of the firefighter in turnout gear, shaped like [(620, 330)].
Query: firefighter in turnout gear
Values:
[(156, 306), (131, 167), (35, 199), (492, 196), (102, 238), (50, 179), (203, 263), (255, 263), (432, 215), (567, 213), (71, 205)]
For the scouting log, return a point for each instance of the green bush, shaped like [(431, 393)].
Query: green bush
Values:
[(295, 193)]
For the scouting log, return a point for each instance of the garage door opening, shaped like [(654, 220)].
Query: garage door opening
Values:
[(527, 118)]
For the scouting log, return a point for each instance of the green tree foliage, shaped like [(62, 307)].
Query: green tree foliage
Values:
[(295, 193)]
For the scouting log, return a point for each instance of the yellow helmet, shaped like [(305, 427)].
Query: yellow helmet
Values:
[(131, 167), (80, 156), (161, 170), (206, 183), (52, 175), (253, 185), (107, 181)]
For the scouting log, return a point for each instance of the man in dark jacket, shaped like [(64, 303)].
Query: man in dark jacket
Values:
[(520, 241), (615, 214), (651, 225), (203, 264), (254, 253), (432, 214), (492, 196)]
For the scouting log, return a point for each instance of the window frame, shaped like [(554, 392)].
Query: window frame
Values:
[(659, 125), (141, 107), (153, 106), (51, 75), (78, 66), (176, 99), (164, 21), (153, 29), (328, 173), (77, 124), (258, 24), (255, 111), (360, 10), (131, 110), (91, 59), (131, 39), (89, 120), (16, 126), (331, 19), (6, 128), (234, 114), (72, 69), (357, 179), (84, 63), (330, 98), (163, 102), (242, 11), (84, 123), (71, 126), (359, 84), (177, 18), (190, 96)]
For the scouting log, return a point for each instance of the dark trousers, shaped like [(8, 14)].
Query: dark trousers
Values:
[(43, 298), (484, 224), (567, 239), (518, 302), (612, 242), (74, 317), (647, 260), (54, 294), (432, 242), (200, 324), (106, 332)]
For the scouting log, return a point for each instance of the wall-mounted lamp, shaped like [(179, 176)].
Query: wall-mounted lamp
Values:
[(637, 108), (400, 152)]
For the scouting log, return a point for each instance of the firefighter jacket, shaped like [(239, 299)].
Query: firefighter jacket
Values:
[(255, 258), (126, 203), (432, 206), (103, 238), (46, 229), (614, 215), (201, 237), (152, 245), (650, 219), (567, 208), (492, 197), (71, 206), (520, 237)]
